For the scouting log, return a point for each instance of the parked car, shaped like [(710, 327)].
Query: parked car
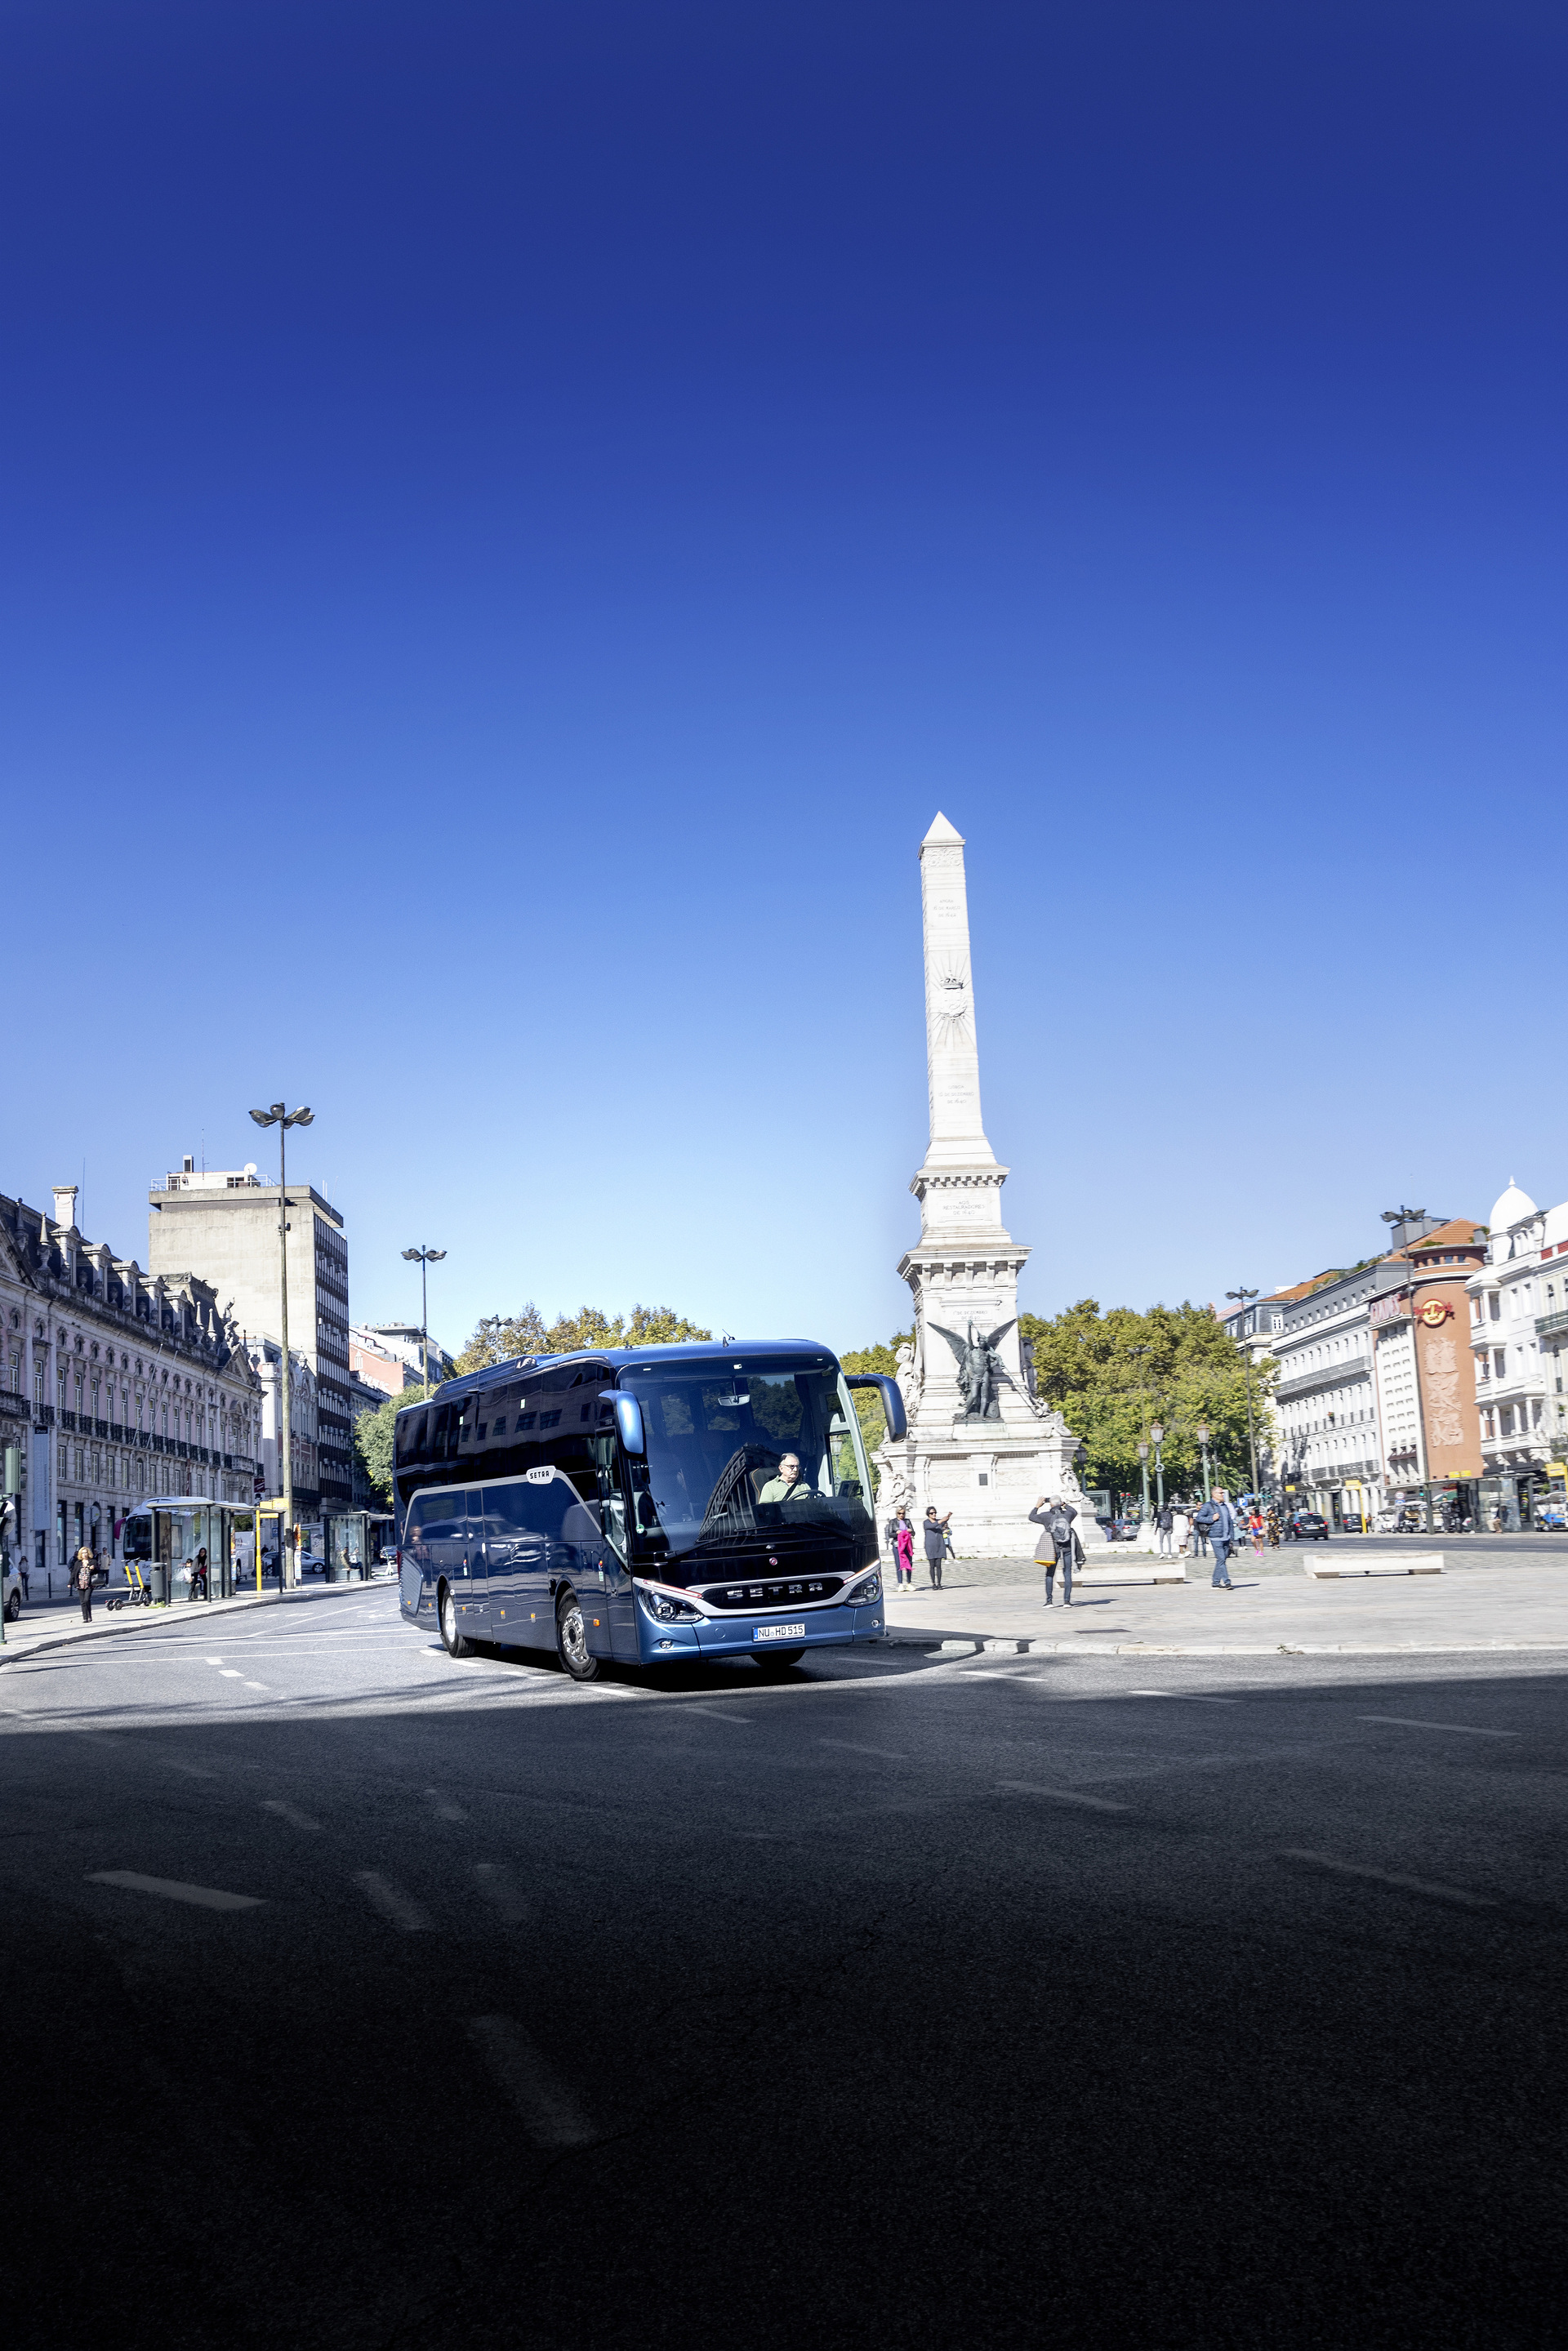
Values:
[(311, 1565), (1306, 1526), (12, 1596), (1353, 1523)]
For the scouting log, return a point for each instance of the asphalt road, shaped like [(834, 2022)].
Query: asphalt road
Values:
[(355, 1997)]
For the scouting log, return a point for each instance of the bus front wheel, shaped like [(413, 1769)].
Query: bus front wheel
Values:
[(446, 1616), (571, 1639)]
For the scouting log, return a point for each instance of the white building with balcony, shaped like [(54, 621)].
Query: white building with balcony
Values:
[(1521, 1418)]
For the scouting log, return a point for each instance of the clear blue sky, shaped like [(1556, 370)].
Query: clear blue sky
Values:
[(513, 518)]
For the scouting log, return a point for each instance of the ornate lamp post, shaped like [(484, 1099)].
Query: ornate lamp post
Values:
[(424, 1257), (1158, 1434), (1143, 1466), (1202, 1434), (283, 1118)]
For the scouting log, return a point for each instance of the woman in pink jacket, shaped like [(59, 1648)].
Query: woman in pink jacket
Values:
[(904, 1549)]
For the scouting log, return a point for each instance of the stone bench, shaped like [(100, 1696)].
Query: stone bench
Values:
[(1404, 1562)]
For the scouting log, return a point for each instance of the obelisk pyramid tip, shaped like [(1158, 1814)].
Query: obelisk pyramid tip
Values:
[(943, 835)]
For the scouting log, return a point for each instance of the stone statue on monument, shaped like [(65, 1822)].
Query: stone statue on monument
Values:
[(981, 1370)]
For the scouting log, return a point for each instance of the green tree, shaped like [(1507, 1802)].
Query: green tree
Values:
[(373, 1433), (868, 1402), (500, 1337), (1112, 1374)]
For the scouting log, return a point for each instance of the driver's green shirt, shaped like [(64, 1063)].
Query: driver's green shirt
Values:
[(777, 1490)]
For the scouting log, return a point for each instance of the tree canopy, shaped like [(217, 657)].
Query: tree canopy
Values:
[(868, 1404), (501, 1336), (1113, 1375), (373, 1433)]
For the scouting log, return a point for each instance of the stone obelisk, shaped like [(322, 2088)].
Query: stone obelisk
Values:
[(978, 1443)]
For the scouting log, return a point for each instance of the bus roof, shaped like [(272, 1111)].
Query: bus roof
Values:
[(621, 1359)]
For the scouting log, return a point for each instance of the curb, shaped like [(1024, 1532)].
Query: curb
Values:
[(146, 1620), (977, 1645)]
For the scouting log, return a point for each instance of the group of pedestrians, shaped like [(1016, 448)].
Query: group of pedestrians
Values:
[(937, 1542)]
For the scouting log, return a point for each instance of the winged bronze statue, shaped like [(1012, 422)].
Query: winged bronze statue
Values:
[(980, 1369)]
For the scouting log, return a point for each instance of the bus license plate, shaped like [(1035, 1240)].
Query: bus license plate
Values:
[(780, 1633)]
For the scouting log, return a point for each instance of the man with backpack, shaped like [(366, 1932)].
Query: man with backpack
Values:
[(1217, 1519), (1057, 1546)]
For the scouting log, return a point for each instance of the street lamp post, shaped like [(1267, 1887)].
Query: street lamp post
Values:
[(1203, 1440), (424, 1257), (1244, 1295), (283, 1118), (1157, 1433), (1402, 1220), (1143, 1466)]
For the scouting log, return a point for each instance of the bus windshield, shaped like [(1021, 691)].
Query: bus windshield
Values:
[(736, 1451)]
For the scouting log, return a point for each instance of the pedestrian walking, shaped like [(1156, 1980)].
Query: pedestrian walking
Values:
[(1218, 1520), (1181, 1528), (1255, 1529), (84, 1583), (1167, 1525), (933, 1534), (904, 1549), (1058, 1547)]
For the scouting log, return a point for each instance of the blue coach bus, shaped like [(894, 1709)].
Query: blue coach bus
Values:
[(646, 1506)]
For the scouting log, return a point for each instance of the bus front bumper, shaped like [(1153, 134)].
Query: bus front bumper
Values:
[(745, 1636)]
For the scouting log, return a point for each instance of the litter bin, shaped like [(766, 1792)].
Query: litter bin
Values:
[(157, 1573)]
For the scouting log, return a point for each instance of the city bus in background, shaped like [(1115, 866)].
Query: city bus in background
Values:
[(652, 1506)]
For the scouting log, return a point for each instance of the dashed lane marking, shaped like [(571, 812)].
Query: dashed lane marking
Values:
[(233, 1673), (851, 1747), (1063, 1795), (502, 1891), (289, 1813), (1410, 1723), (203, 1897), (443, 1806), (549, 2113), (1457, 1895), (400, 1909)]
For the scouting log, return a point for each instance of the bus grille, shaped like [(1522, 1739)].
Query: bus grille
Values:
[(791, 1592)]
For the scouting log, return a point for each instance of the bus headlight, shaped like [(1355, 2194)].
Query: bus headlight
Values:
[(861, 1594), (665, 1608)]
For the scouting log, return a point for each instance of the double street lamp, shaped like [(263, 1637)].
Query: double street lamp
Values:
[(1202, 1434), (283, 1118), (424, 1258)]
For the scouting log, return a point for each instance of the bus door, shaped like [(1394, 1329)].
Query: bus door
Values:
[(521, 1611)]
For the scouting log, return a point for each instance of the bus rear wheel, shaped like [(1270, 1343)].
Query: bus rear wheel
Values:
[(571, 1639), (777, 1661), (446, 1616)]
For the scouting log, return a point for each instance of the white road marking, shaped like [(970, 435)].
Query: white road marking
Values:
[(233, 1673), (718, 1713), (289, 1813), (884, 1754), (1410, 1723), (549, 2112), (501, 1890), (211, 1661), (1063, 1795), (392, 1902), (204, 1897), (1456, 1894), (444, 1809), (1192, 1697), (260, 1686)]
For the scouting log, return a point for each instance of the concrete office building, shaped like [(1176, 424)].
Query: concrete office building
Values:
[(224, 1222)]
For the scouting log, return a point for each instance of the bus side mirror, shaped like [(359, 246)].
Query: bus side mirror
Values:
[(629, 1425), (892, 1399)]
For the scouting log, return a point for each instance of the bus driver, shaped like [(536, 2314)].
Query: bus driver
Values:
[(788, 1486)]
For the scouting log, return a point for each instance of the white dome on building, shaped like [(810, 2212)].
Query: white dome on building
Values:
[(1513, 1205)]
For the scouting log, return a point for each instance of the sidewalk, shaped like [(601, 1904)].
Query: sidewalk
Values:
[(58, 1626), (1520, 1603)]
